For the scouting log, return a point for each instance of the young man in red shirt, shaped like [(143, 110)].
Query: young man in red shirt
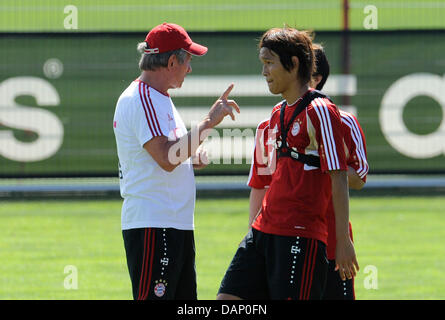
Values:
[(284, 254), (260, 177)]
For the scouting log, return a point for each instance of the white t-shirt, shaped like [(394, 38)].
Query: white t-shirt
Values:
[(152, 196)]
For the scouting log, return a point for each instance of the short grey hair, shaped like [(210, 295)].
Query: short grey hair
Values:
[(158, 60)]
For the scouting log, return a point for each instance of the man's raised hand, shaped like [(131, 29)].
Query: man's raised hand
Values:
[(222, 107)]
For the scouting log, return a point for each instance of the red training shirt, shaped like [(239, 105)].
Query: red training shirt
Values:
[(356, 158), (298, 197)]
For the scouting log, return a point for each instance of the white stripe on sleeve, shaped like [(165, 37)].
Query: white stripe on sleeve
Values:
[(358, 141), (327, 134)]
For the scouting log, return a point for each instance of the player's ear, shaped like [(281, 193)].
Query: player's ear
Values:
[(295, 63)]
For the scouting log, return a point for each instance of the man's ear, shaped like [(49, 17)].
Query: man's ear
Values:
[(172, 61), (296, 63)]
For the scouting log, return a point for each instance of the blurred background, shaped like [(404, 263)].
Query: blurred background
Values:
[(63, 65)]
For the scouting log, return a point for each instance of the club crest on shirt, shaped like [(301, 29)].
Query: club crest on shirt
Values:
[(160, 288), (295, 128)]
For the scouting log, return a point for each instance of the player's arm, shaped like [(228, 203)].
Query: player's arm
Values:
[(354, 180), (200, 160), (171, 153), (255, 203), (346, 261), (258, 179), (331, 142), (356, 145)]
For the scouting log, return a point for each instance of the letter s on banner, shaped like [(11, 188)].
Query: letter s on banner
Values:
[(391, 115), (44, 123)]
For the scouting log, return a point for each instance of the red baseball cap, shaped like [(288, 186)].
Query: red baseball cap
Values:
[(168, 37)]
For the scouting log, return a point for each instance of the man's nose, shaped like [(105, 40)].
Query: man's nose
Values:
[(264, 71)]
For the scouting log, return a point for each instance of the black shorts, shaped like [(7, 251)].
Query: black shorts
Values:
[(276, 267), (336, 288), (161, 263)]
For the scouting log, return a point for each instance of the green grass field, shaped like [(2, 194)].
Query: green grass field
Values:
[(402, 237)]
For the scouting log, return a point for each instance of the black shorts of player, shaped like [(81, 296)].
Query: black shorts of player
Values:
[(268, 266), (161, 263), (336, 288)]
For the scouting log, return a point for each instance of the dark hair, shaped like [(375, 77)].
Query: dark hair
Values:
[(288, 42), (322, 65)]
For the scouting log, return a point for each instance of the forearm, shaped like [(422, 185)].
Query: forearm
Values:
[(255, 203), (345, 260), (170, 154), (340, 200), (185, 147)]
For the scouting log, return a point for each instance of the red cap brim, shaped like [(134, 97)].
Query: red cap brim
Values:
[(196, 49)]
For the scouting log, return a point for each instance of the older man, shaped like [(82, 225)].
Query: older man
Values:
[(156, 170)]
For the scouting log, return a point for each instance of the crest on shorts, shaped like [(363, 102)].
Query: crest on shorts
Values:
[(160, 288), (295, 128)]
